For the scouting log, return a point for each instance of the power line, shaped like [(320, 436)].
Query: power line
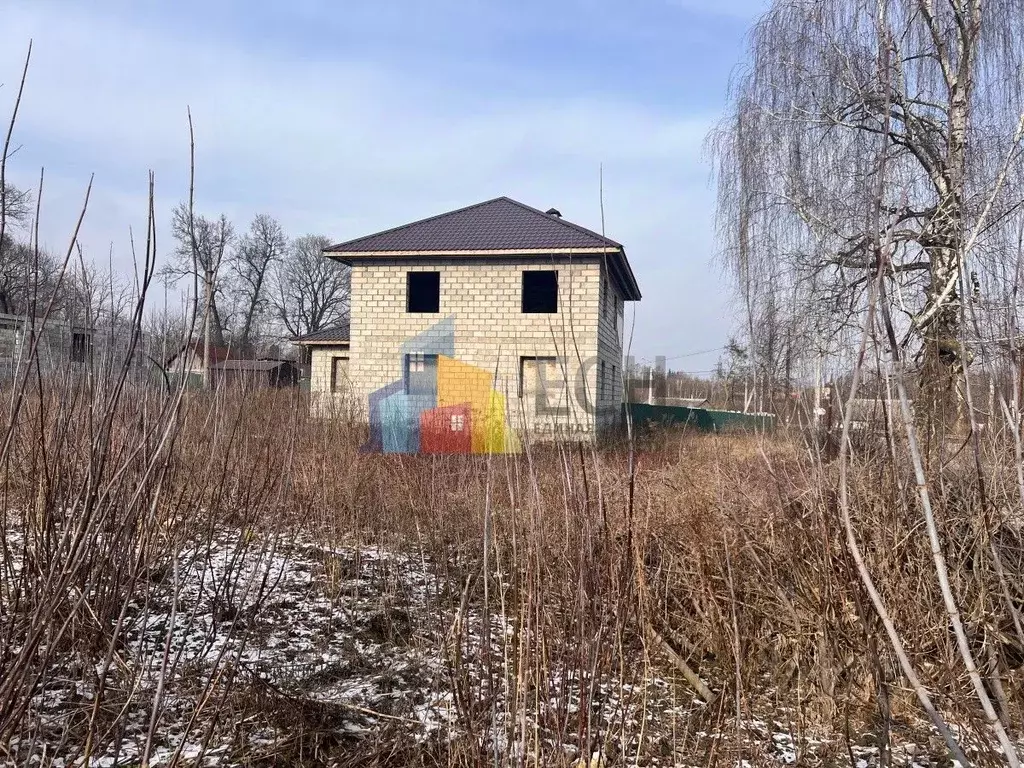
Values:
[(694, 354), (685, 354)]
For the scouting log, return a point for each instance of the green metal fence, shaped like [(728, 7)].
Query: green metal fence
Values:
[(701, 418)]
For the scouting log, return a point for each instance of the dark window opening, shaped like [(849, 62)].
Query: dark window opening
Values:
[(423, 292), (540, 291), (79, 347)]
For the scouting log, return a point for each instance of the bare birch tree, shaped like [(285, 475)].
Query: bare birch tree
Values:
[(19, 270), (26, 275), (201, 247), (799, 147), (250, 265), (16, 204), (311, 292)]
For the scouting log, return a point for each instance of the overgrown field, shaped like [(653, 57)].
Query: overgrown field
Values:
[(218, 579)]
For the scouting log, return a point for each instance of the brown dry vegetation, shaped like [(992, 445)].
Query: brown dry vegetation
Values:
[(571, 600)]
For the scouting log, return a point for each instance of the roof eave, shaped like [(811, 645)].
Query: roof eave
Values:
[(320, 343), (631, 289), (341, 254)]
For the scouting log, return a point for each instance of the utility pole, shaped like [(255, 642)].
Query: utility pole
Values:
[(163, 345), (211, 271), (206, 335), (816, 418)]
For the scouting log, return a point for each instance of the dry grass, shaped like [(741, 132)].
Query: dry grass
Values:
[(216, 578), (723, 556)]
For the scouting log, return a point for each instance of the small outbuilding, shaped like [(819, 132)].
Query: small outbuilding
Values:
[(327, 352), (229, 369), (255, 373)]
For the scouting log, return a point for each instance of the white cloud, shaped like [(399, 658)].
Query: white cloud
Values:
[(345, 147)]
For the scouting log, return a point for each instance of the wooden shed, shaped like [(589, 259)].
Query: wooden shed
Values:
[(255, 373)]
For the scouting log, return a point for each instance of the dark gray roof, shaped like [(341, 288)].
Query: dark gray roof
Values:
[(337, 334), (501, 224)]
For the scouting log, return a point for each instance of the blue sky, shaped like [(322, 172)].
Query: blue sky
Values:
[(343, 118)]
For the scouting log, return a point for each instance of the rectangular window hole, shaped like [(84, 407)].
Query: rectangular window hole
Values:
[(540, 291), (423, 292)]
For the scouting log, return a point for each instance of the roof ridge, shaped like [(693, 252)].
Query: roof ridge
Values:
[(563, 222), (400, 227)]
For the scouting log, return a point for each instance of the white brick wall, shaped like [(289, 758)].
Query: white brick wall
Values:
[(491, 332), (611, 320)]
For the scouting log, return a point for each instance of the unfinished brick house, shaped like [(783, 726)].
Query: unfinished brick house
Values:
[(474, 328), (60, 346)]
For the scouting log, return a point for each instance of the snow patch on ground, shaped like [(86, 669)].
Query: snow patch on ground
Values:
[(237, 645)]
